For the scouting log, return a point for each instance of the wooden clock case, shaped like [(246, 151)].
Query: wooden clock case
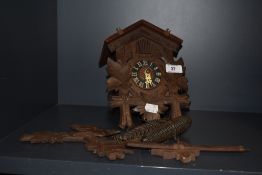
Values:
[(140, 44)]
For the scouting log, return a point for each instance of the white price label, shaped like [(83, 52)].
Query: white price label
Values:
[(171, 68), (151, 108)]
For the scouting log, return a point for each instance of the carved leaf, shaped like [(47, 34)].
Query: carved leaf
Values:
[(117, 70), (118, 77), (113, 83), (107, 148), (182, 83)]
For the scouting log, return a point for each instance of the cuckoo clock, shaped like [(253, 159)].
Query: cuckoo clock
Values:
[(143, 76), (143, 73)]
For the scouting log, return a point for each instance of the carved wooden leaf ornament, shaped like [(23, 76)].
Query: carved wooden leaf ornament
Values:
[(117, 70), (113, 83)]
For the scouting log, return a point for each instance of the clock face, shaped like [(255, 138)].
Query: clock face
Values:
[(146, 74)]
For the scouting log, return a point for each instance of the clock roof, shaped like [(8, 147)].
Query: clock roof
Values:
[(139, 29)]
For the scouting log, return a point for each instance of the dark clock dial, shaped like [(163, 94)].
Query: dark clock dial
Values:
[(146, 74)]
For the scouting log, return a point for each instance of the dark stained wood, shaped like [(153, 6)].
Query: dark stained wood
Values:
[(95, 140), (182, 151), (147, 27), (136, 59), (107, 148), (148, 135), (80, 133)]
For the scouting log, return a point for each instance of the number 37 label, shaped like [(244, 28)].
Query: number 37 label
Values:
[(171, 68)]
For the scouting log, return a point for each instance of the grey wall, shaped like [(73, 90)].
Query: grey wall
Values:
[(28, 60), (221, 49)]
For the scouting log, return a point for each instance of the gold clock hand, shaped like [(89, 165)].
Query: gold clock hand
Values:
[(148, 79)]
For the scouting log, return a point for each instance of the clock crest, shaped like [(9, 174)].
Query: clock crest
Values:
[(137, 59)]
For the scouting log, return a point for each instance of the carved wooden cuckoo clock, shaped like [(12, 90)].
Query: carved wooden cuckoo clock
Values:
[(143, 75)]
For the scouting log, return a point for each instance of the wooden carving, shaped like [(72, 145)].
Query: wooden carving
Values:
[(156, 130), (144, 77), (182, 151), (115, 145), (96, 140), (79, 134), (136, 59)]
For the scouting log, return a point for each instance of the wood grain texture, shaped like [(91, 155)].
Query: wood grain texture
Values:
[(129, 53)]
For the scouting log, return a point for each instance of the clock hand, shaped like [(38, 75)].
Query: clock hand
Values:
[(148, 79)]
